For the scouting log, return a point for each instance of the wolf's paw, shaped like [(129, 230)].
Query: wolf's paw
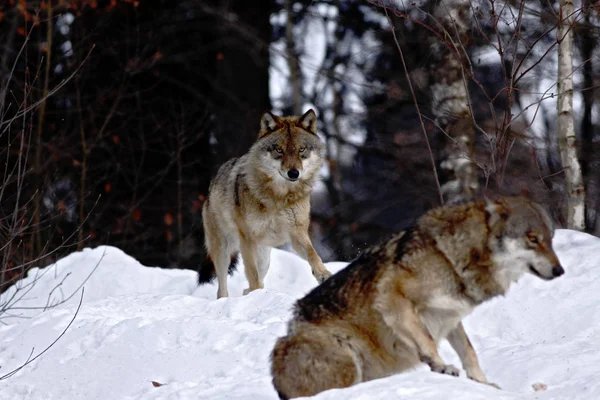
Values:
[(484, 381), (260, 285), (321, 276), (446, 369), (248, 290), (477, 375)]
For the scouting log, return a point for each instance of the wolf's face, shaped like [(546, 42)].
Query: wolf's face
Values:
[(521, 241), (289, 146)]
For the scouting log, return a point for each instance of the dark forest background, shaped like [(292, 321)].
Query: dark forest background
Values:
[(115, 114)]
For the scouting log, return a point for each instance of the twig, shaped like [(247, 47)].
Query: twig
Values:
[(414, 97), (30, 359)]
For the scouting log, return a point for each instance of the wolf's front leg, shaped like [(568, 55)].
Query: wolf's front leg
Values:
[(462, 345), (248, 250), (400, 315), (303, 246)]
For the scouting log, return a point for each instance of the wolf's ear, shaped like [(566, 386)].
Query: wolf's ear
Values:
[(309, 121), (493, 210), (545, 216), (268, 123)]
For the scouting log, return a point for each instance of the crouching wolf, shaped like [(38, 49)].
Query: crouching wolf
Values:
[(262, 200), (387, 311)]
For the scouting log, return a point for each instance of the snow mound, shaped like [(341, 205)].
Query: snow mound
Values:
[(139, 324)]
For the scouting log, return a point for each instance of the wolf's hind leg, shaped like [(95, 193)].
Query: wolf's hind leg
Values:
[(222, 260), (462, 345), (216, 246), (305, 366)]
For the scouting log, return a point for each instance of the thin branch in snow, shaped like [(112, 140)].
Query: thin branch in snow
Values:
[(31, 359)]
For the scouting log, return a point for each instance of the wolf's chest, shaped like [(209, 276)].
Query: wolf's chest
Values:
[(271, 229), (443, 313)]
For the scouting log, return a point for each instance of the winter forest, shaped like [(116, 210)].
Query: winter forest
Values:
[(115, 114)]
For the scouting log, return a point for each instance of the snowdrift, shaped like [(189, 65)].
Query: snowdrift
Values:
[(138, 324)]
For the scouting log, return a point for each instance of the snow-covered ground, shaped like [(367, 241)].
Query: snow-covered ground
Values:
[(137, 325)]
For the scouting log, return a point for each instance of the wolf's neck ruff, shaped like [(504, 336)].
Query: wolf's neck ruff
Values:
[(267, 187), (472, 266)]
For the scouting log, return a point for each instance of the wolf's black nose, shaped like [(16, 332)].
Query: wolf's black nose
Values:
[(557, 270), (293, 174)]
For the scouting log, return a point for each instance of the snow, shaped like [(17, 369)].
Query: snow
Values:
[(138, 324)]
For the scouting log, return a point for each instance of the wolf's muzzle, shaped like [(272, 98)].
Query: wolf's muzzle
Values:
[(557, 270), (293, 174)]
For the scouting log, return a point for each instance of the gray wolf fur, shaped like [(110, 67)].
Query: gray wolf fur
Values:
[(387, 311), (262, 200)]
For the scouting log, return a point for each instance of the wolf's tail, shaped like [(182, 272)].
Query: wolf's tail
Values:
[(207, 272)]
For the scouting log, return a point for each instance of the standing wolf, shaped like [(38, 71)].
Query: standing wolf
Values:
[(387, 311), (262, 200)]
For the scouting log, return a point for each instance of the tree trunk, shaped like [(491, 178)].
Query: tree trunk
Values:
[(242, 82), (292, 59), (37, 159), (588, 43), (450, 100), (566, 126)]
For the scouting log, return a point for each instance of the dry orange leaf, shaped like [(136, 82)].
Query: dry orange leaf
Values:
[(196, 205), (107, 187), (168, 219), (539, 386), (136, 215), (157, 384)]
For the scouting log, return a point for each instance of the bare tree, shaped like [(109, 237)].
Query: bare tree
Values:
[(588, 43), (566, 127), (292, 59)]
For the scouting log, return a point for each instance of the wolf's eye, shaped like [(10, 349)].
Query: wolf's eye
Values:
[(279, 150), (302, 149), (532, 239)]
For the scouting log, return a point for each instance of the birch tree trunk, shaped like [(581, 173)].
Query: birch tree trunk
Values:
[(450, 99), (566, 126), (292, 59), (590, 176)]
